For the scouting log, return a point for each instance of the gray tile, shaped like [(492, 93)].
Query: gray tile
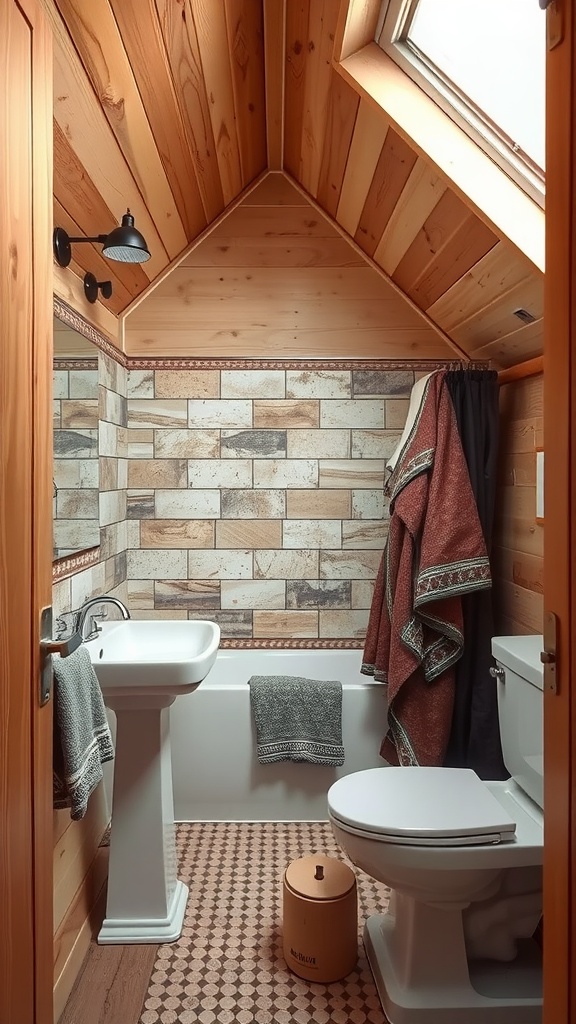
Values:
[(157, 565), (140, 505), (76, 444), (318, 594), (396, 383), (318, 384), (192, 595), (254, 443)]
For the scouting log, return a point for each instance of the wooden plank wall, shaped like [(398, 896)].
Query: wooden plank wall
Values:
[(277, 280), (518, 539)]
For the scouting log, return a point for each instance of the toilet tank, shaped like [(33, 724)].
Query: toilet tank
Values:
[(521, 710)]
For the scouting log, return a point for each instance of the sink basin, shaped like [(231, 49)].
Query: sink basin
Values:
[(166, 655)]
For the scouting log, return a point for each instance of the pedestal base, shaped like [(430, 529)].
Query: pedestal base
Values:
[(486, 992), (115, 931)]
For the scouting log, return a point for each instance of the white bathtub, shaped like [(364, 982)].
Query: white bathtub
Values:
[(216, 775)]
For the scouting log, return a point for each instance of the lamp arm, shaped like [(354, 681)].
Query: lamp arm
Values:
[(95, 238)]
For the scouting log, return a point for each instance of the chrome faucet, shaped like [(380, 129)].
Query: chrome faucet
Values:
[(82, 614)]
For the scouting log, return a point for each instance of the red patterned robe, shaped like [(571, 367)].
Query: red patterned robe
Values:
[(435, 553)]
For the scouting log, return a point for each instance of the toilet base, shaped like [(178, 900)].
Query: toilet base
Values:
[(475, 997)]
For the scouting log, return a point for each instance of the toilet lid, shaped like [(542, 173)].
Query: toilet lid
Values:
[(421, 805)]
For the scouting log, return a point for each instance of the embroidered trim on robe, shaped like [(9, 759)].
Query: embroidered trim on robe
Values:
[(434, 554)]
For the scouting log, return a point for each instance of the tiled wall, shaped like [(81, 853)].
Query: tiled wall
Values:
[(75, 498), (255, 496), (109, 574)]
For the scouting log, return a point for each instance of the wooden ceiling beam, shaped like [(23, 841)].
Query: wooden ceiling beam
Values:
[(274, 48)]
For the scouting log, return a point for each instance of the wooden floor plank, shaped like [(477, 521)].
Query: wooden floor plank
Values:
[(112, 985)]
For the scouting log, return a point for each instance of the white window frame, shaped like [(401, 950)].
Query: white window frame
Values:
[(393, 27)]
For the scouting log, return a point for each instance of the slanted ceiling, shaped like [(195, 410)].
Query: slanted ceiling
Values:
[(160, 105)]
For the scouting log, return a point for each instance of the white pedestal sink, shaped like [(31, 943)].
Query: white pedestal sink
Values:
[(142, 666)]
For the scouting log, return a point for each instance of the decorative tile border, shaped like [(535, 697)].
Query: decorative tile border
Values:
[(314, 644), (63, 567), (419, 366), (75, 364), (75, 320)]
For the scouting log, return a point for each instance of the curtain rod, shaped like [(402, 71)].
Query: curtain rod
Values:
[(530, 368)]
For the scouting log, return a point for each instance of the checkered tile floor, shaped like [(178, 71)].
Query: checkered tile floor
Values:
[(227, 967)]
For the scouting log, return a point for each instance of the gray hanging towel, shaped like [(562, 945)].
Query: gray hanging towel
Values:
[(82, 740), (297, 719)]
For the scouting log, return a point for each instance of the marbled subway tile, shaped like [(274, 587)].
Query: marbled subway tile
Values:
[(76, 444), (285, 473), (253, 444), (336, 623), (234, 625), (60, 384), (76, 472), (361, 593), (318, 383), (253, 504), (312, 533), (277, 414), (317, 504), (349, 565), (364, 533), (187, 504), (141, 444), (351, 473), (140, 504), (177, 533), (187, 384), (318, 444), (83, 383), (184, 443), (190, 595), (78, 413), (369, 504), (113, 407), (357, 412), (226, 413), (112, 507), (285, 565), (253, 384), (157, 564), (154, 473), (140, 593), (77, 504), (157, 412), (249, 533), (253, 593), (222, 564), (140, 384), (318, 594), (367, 383), (374, 444), (220, 473), (396, 413), (285, 624)]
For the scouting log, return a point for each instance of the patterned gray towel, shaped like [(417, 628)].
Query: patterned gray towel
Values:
[(297, 719), (82, 740)]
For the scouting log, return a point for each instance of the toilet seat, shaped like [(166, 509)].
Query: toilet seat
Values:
[(420, 807)]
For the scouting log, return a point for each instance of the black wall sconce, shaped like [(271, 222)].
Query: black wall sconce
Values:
[(124, 243), (92, 287)]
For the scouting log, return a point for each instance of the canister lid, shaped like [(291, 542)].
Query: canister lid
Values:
[(319, 878)]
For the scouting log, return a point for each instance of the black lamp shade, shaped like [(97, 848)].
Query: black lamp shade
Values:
[(125, 243)]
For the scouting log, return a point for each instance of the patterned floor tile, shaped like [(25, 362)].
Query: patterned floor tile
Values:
[(227, 967)]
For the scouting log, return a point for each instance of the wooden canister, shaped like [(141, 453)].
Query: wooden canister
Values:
[(320, 918)]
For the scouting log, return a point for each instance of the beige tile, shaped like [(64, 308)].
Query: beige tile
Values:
[(140, 444), (315, 504), (253, 504), (351, 473), (253, 384), (79, 412), (113, 539), (222, 564), (221, 473), (364, 533), (157, 412), (76, 472), (335, 623), (77, 504), (285, 565), (227, 413), (362, 412), (112, 407), (253, 593), (180, 383), (318, 384), (108, 473), (318, 444), (279, 414), (347, 565), (285, 473), (177, 533), (317, 594), (311, 533), (396, 412), (374, 444), (285, 624), (249, 533), (362, 593), (157, 473), (156, 613), (140, 594), (187, 444)]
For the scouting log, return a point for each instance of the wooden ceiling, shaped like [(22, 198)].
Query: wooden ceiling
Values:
[(161, 105)]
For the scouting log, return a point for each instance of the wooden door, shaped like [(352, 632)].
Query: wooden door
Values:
[(559, 534), (25, 510)]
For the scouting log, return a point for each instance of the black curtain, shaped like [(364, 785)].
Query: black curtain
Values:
[(475, 735)]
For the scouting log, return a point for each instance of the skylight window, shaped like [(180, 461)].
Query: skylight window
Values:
[(483, 62)]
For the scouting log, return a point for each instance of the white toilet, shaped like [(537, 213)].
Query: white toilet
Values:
[(464, 861)]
